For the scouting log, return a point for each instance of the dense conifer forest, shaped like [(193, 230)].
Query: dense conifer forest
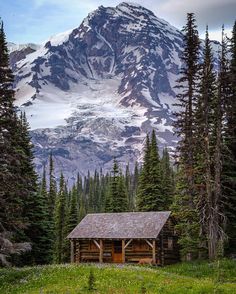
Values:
[(197, 183)]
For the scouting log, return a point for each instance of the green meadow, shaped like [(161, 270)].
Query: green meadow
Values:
[(200, 277)]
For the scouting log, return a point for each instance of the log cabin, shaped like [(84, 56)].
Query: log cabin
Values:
[(129, 237)]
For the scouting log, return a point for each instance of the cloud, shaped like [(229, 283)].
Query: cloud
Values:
[(212, 12), (43, 18), (72, 5)]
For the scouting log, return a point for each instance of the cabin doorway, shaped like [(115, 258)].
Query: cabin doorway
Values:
[(117, 251)]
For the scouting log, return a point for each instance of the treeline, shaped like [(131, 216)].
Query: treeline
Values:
[(148, 188), (205, 201)]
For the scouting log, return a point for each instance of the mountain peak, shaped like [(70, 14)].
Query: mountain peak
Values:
[(17, 47), (94, 92), (132, 7), (130, 4)]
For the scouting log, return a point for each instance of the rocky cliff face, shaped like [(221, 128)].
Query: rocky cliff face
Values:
[(94, 92)]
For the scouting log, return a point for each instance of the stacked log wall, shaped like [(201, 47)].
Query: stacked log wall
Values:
[(167, 248), (170, 252)]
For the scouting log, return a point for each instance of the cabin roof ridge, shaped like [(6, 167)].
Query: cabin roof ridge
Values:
[(132, 225)]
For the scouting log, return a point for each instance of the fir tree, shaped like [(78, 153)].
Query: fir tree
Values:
[(167, 180), (52, 185), (104, 191), (217, 214), (185, 207), (117, 199), (143, 187), (12, 181), (60, 222), (128, 188), (108, 205), (122, 200), (35, 206), (135, 179), (40, 230), (79, 185), (156, 200), (204, 143), (114, 190), (71, 220), (73, 211), (229, 166), (150, 196), (82, 208)]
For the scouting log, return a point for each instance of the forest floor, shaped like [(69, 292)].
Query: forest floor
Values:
[(196, 277)]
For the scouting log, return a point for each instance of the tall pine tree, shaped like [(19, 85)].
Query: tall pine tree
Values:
[(117, 198), (167, 180), (143, 182), (229, 166), (60, 222), (52, 185), (150, 194), (13, 184), (185, 208), (35, 208), (204, 117)]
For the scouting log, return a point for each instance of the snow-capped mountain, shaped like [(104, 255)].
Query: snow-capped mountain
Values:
[(94, 92), (12, 47), (18, 52)]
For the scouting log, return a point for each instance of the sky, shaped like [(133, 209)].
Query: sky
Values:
[(34, 21)]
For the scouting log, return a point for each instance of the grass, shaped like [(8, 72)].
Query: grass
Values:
[(197, 277)]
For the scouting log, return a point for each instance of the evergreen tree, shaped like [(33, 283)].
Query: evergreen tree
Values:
[(143, 186), (114, 190), (217, 214), (12, 182), (97, 192), (229, 166), (52, 185), (188, 231), (82, 208), (167, 180), (71, 220), (79, 185), (185, 207), (117, 199), (204, 144), (150, 195), (135, 179), (156, 200), (60, 222), (108, 206), (35, 207), (91, 196), (104, 192), (128, 187), (73, 211), (40, 230), (122, 200)]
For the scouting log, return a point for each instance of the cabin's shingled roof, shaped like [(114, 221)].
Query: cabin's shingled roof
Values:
[(125, 225)]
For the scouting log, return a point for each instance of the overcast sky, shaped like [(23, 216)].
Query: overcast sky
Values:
[(36, 20)]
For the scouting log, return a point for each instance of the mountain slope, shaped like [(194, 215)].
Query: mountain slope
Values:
[(94, 92)]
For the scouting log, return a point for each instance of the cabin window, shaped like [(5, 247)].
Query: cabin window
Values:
[(170, 243)]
